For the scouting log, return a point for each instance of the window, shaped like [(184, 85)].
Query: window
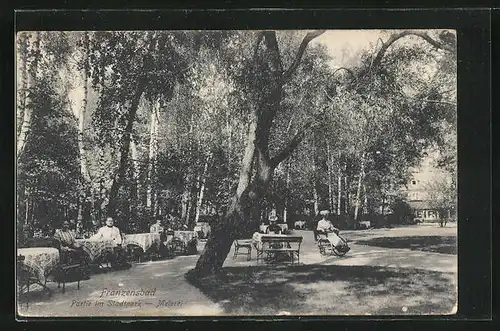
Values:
[(414, 195), (414, 182)]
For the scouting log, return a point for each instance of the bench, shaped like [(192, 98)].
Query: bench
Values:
[(272, 246)]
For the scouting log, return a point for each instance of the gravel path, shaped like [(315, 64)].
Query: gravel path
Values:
[(174, 296)]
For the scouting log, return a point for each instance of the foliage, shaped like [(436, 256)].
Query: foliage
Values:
[(207, 85)]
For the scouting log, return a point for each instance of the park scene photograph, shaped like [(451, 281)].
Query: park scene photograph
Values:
[(236, 173)]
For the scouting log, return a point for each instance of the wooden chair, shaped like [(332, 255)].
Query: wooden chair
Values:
[(245, 244), (68, 270)]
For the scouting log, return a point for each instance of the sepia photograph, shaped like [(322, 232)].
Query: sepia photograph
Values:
[(236, 173)]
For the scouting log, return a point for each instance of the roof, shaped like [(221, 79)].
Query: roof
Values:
[(420, 205)]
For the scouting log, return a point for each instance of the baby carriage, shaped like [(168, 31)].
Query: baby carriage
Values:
[(331, 243)]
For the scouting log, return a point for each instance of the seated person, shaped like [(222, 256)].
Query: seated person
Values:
[(70, 253), (157, 227), (112, 233), (273, 227), (326, 227)]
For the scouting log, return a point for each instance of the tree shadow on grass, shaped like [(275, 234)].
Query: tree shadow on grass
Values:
[(436, 244), (329, 290)]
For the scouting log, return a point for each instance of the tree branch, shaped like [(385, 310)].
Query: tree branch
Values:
[(303, 45), (393, 38), (297, 139), (292, 145)]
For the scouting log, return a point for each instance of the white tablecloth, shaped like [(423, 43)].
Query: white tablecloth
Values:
[(40, 260), (143, 240), (95, 247), (185, 236)]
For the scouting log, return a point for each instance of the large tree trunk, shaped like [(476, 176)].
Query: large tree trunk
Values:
[(222, 233), (28, 103), (243, 215)]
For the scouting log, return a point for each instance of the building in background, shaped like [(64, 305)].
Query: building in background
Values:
[(429, 192)]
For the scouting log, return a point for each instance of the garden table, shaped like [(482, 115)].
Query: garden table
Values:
[(143, 240), (95, 248), (40, 262), (271, 246)]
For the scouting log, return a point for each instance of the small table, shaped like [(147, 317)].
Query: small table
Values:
[(40, 262), (143, 240), (270, 246), (185, 236), (95, 248), (180, 240)]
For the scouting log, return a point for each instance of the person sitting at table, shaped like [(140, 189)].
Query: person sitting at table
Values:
[(112, 233), (273, 227), (70, 253)]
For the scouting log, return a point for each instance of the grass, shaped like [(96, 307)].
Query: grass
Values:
[(436, 244), (330, 290)]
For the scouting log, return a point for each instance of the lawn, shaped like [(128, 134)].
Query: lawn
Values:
[(436, 244), (330, 290)]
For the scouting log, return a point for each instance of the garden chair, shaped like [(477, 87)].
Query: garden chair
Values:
[(69, 270), (245, 244)]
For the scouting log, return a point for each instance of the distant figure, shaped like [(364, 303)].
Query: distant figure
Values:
[(157, 227), (79, 232)]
